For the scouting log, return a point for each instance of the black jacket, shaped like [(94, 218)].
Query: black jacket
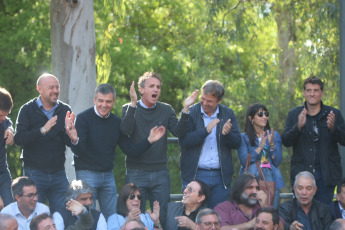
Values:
[(319, 215), (335, 210), (42, 152), (303, 157)]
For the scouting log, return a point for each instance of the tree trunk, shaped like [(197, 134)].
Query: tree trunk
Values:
[(73, 46)]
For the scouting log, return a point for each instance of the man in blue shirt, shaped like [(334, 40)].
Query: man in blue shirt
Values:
[(40, 131), (206, 148), (305, 212)]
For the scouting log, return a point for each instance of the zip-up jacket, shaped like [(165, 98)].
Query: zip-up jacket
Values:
[(42, 152), (303, 157), (192, 143)]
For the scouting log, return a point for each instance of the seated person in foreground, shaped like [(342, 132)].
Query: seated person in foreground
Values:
[(337, 208), (134, 224), (42, 222), (338, 224), (83, 193), (207, 219), (8, 222), (245, 200), (267, 219), (128, 208), (305, 212), (181, 215), (26, 206)]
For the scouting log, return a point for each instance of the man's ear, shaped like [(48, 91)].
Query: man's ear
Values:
[(201, 198), (16, 197)]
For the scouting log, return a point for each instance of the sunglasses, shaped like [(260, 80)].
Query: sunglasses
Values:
[(260, 114), (132, 196)]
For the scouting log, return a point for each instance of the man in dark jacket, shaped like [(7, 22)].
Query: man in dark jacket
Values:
[(337, 208), (40, 131), (314, 130), (206, 148), (304, 212)]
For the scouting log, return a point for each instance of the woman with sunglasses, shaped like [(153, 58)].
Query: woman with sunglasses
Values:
[(128, 208), (265, 146)]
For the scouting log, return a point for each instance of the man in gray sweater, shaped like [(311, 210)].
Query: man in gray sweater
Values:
[(149, 169)]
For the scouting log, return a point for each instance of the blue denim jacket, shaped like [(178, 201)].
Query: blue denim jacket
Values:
[(246, 148)]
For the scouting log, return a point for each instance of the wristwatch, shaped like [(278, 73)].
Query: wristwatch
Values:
[(43, 131), (155, 225)]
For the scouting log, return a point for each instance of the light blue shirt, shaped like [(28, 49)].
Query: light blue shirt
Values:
[(23, 222), (60, 225), (143, 105), (341, 210), (49, 113), (116, 221), (209, 158)]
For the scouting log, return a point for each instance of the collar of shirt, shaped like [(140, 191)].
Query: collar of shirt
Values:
[(143, 105), (99, 114), (302, 217), (342, 211), (213, 116), (49, 113), (17, 212)]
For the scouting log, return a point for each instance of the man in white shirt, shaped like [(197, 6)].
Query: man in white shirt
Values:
[(26, 206)]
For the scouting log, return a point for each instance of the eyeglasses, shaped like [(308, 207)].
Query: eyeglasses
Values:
[(132, 196), (31, 195), (209, 224), (260, 114)]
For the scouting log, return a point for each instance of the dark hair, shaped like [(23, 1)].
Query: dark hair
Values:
[(6, 101), (19, 183), (336, 225), (205, 212), (37, 220), (125, 191), (340, 185), (147, 75), (204, 190), (104, 89), (239, 185), (248, 125), (274, 213), (214, 88), (313, 80)]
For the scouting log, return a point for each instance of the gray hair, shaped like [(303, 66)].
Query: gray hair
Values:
[(305, 174), (337, 225), (205, 212), (213, 87), (104, 89), (76, 188), (5, 219)]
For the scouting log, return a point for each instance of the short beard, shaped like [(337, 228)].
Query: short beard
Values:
[(247, 200)]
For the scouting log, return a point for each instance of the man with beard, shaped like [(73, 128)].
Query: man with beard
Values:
[(267, 219), (245, 200), (40, 131), (305, 212), (26, 206), (181, 215)]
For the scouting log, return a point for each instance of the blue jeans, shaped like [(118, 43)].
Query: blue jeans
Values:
[(324, 193), (214, 181), (5, 187), (104, 189), (49, 185), (153, 185)]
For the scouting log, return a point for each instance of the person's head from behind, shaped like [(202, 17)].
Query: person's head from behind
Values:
[(212, 93), (80, 191), (6, 104), (25, 193), (104, 99), (8, 222), (244, 190), (42, 222), (338, 224), (267, 219), (305, 188), (256, 119), (341, 193), (195, 194), (207, 219), (129, 198), (135, 225), (49, 89), (150, 88)]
